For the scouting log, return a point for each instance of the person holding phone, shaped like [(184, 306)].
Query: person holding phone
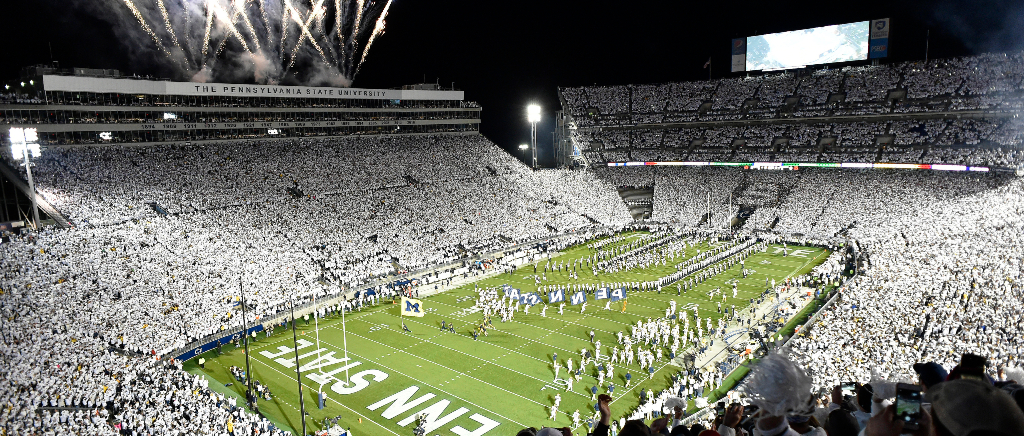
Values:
[(959, 408), (908, 405)]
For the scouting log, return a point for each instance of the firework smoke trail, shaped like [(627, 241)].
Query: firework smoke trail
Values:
[(239, 6), (227, 22), (378, 30), (167, 23), (145, 27), (274, 35), (357, 21), (263, 13), (209, 24), (305, 31), (285, 16), (321, 13), (188, 35)]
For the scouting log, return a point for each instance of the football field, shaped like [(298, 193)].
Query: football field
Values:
[(494, 385)]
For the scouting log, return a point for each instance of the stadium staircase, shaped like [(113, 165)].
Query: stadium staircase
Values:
[(741, 187), (156, 208), (397, 266), (639, 200), (12, 175), (295, 192), (741, 216)]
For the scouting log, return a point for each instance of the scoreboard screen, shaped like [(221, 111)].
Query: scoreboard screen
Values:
[(801, 48)]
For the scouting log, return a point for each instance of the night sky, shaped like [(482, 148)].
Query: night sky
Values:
[(507, 54)]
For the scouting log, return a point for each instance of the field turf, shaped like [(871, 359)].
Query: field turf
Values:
[(495, 385)]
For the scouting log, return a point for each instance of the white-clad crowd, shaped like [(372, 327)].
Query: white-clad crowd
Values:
[(943, 278), (86, 310), (987, 81), (281, 221), (979, 142)]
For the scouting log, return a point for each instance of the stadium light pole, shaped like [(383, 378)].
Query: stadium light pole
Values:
[(22, 141), (523, 148), (533, 116)]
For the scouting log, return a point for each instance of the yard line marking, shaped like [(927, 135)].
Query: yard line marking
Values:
[(438, 388), (561, 277), (492, 363), (312, 389), (495, 329)]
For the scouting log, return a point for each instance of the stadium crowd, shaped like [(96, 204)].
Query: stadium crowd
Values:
[(948, 88), (987, 81), (130, 282), (165, 235)]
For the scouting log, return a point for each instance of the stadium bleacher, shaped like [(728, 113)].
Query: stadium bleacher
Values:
[(88, 310)]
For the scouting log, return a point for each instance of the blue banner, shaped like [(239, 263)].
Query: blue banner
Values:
[(618, 294), (879, 48), (556, 296), (578, 298), (739, 46), (530, 299), (213, 344), (602, 294)]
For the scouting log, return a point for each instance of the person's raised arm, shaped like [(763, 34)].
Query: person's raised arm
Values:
[(731, 419), (603, 401)]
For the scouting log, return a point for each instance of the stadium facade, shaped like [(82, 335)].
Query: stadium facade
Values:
[(79, 110)]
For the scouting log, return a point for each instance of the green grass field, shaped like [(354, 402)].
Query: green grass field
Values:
[(495, 385)]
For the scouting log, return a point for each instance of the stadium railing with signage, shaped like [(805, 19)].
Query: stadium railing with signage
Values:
[(797, 165)]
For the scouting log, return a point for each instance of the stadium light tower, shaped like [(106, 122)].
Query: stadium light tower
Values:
[(523, 148), (24, 141), (533, 115)]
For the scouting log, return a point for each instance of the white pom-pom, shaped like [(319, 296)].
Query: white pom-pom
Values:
[(780, 387), (700, 402), (1015, 374), (672, 402)]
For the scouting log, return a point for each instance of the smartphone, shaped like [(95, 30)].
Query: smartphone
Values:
[(720, 408), (972, 367), (848, 388), (908, 405)]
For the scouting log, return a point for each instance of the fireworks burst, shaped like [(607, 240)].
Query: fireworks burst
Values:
[(308, 41)]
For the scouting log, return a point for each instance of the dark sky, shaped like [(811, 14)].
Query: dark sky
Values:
[(506, 54)]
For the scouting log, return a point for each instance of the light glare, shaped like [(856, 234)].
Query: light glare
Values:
[(533, 113), (22, 139)]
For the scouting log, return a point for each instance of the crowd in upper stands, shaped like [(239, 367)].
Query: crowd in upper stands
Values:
[(989, 82), (981, 142)]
